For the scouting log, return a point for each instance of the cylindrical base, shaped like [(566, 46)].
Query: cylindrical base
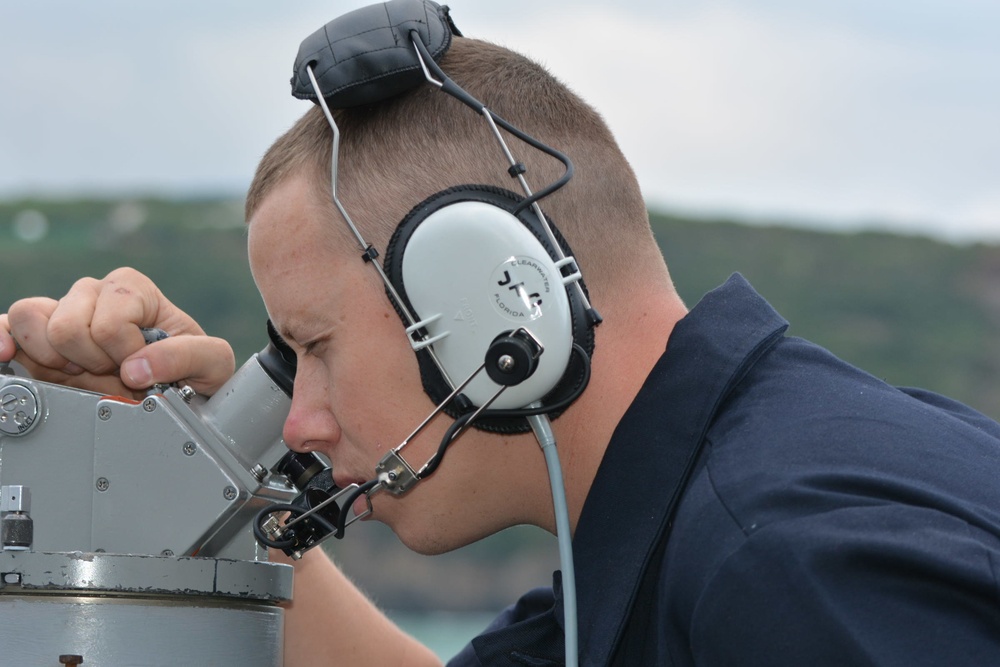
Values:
[(150, 632), (140, 611)]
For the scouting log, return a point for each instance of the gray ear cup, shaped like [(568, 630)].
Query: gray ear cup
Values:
[(471, 269)]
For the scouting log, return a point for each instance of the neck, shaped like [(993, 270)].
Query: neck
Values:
[(628, 345)]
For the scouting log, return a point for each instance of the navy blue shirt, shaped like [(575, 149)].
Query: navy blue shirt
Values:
[(829, 519)]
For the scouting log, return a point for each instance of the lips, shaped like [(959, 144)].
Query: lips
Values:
[(343, 481), (360, 506)]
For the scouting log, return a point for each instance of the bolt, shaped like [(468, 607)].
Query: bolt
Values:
[(190, 448), (167, 552), (229, 493), (506, 363), (103, 484), (149, 405), (71, 660), (259, 472), (104, 413), (187, 393), (8, 402)]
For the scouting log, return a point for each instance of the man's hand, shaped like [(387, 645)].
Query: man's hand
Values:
[(92, 339)]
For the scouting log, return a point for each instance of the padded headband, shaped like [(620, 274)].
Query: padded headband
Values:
[(366, 56)]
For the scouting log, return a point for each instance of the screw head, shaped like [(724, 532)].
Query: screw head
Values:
[(104, 413), (149, 405), (103, 484), (8, 402), (167, 552), (229, 493), (506, 363), (190, 448)]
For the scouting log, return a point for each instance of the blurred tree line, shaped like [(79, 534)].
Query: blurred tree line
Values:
[(910, 310)]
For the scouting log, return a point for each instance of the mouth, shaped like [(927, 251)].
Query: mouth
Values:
[(361, 507), (343, 481)]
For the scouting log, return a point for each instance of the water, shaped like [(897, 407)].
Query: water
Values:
[(445, 633)]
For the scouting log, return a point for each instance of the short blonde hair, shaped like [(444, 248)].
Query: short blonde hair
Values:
[(396, 153)]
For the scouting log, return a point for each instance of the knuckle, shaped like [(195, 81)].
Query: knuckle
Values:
[(62, 330), (126, 275), (24, 309), (85, 284), (121, 272), (105, 331)]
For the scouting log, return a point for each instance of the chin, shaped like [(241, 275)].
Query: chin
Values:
[(430, 523), (424, 540), (427, 538), (432, 538)]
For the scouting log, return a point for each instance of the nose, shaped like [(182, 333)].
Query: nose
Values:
[(311, 425)]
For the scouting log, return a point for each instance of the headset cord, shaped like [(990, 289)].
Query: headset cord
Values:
[(546, 439)]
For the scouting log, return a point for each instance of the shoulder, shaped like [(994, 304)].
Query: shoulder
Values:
[(833, 510), (880, 584)]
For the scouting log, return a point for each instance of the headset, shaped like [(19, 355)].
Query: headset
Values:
[(471, 268), (489, 292)]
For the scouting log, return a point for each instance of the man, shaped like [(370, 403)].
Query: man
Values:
[(828, 519)]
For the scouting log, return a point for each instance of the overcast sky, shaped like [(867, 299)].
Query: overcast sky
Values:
[(838, 113)]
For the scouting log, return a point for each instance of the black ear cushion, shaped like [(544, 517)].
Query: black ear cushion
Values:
[(434, 383), (366, 56)]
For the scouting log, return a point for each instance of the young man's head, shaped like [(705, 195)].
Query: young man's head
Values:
[(358, 390)]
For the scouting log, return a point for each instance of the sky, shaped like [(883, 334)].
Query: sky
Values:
[(837, 114)]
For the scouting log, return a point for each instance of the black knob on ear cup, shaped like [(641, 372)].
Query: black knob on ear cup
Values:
[(512, 357)]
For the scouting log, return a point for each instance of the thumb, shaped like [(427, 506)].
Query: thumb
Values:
[(202, 362)]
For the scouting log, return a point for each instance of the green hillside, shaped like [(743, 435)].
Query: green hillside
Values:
[(911, 310)]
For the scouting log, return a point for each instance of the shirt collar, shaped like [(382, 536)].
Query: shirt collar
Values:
[(653, 446)]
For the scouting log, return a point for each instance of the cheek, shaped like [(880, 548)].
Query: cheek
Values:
[(375, 383), (392, 355)]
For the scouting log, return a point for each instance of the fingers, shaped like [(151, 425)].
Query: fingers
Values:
[(202, 362), (71, 332), (87, 336), (8, 347), (113, 310), (27, 322)]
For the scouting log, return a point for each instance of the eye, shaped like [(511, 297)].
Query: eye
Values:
[(284, 350), (316, 348)]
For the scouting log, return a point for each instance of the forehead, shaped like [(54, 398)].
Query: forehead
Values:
[(291, 210), (288, 238), (301, 260)]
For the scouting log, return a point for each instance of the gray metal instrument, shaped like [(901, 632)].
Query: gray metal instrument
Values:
[(111, 506)]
